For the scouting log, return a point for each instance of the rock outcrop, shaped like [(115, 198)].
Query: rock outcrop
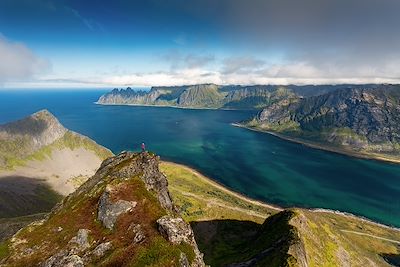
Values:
[(176, 230), (109, 211)]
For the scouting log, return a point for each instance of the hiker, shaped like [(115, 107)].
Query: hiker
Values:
[(143, 147)]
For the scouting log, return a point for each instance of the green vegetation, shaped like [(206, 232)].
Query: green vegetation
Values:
[(161, 253), (4, 250), (336, 240), (201, 199), (9, 226), (16, 152), (74, 141), (289, 127)]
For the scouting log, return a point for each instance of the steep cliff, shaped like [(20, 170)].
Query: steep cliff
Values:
[(361, 120), (122, 216)]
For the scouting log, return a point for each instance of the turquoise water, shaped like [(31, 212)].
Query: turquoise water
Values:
[(255, 164)]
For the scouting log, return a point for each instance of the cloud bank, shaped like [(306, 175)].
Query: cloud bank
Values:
[(19, 63)]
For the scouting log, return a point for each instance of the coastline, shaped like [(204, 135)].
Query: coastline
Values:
[(171, 106), (322, 147), (224, 188), (277, 208)]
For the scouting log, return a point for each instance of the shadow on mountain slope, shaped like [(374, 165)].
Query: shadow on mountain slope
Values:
[(244, 243), (20, 196)]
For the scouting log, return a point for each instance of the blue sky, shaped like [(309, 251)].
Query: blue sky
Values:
[(71, 43)]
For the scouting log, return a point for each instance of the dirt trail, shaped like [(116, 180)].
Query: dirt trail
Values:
[(369, 235)]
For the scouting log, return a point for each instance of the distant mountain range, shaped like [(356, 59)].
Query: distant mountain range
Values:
[(359, 121), (214, 96)]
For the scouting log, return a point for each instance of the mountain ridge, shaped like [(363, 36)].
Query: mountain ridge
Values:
[(213, 96), (359, 121)]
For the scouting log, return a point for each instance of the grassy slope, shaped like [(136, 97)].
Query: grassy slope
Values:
[(15, 154), (337, 240), (201, 199)]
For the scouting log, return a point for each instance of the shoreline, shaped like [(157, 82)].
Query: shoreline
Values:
[(321, 147), (224, 188), (278, 208), (171, 106)]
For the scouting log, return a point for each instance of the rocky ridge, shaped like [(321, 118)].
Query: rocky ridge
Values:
[(123, 212)]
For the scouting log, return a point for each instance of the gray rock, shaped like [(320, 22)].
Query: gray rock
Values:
[(101, 249), (137, 230), (109, 211), (81, 239), (63, 259), (176, 231)]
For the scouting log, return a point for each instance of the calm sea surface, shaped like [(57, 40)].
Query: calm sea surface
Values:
[(255, 164)]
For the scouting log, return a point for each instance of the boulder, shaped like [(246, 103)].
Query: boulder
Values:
[(81, 240), (109, 211), (63, 259), (101, 249)]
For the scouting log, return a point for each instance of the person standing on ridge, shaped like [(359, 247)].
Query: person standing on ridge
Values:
[(143, 147)]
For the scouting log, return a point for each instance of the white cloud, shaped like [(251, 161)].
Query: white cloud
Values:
[(19, 63), (241, 64)]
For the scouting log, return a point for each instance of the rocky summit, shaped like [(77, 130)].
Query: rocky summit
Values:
[(122, 216)]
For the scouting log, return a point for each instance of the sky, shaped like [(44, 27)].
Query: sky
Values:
[(119, 43)]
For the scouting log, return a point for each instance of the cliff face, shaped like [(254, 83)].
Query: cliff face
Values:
[(358, 118), (122, 216)]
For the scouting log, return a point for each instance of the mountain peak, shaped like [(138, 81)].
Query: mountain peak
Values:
[(41, 128)]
